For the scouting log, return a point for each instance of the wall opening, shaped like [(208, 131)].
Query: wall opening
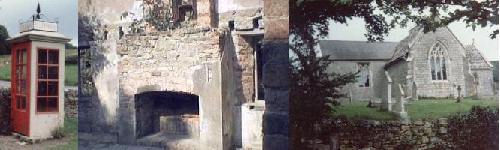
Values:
[(167, 114)]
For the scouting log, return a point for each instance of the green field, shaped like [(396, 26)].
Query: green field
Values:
[(433, 109), (417, 110), (70, 130), (71, 71), (358, 110)]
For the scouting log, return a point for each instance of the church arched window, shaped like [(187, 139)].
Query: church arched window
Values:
[(437, 62)]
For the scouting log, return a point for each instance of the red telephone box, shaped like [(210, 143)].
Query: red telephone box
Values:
[(37, 78)]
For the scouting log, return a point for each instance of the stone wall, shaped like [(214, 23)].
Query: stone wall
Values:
[(232, 93), (454, 52), (71, 103), (5, 111), (389, 135), (484, 83), (276, 75), (164, 61), (377, 80)]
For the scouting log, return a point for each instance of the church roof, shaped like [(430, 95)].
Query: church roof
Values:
[(357, 50), (403, 47), (476, 59)]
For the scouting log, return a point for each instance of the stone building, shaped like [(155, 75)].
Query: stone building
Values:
[(183, 74), (433, 64)]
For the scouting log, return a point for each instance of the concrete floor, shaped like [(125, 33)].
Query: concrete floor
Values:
[(169, 141)]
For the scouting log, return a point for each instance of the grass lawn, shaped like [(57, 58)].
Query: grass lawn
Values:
[(433, 109), (5, 72), (421, 109), (71, 76), (358, 110), (71, 132)]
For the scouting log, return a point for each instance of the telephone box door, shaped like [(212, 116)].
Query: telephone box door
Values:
[(20, 88)]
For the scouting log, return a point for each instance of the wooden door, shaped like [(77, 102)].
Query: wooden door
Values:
[(20, 91)]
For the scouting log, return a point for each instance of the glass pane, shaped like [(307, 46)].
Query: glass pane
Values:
[(19, 71), (52, 104), (23, 72), (18, 102), (42, 72), (18, 88), (53, 57), (52, 88), (438, 68), (42, 88), (41, 104), (42, 56), (53, 72), (22, 86), (433, 69), (444, 69), (19, 57), (23, 102), (24, 56)]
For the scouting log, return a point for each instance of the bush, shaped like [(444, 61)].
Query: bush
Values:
[(73, 59), (5, 111), (477, 129)]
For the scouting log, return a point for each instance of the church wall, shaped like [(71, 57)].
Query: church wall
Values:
[(377, 80), (485, 84), (426, 87)]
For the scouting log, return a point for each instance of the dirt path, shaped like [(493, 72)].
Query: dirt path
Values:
[(10, 143)]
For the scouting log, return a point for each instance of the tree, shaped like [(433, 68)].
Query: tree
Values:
[(4, 35), (313, 88), (69, 46)]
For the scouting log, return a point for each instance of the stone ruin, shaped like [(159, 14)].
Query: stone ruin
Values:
[(180, 74)]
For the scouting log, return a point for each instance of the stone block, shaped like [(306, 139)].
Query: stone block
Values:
[(276, 28), (275, 123), (276, 7), (277, 100), (275, 142), (443, 121), (276, 67)]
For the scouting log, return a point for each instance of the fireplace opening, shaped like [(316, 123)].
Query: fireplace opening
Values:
[(167, 114)]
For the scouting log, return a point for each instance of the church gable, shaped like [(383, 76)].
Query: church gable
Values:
[(436, 62), (475, 59)]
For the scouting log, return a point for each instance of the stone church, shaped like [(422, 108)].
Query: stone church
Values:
[(422, 65)]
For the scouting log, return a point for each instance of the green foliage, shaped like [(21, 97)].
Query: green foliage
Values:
[(313, 91), (5, 72), (4, 35), (71, 56), (477, 129), (381, 16), (69, 46)]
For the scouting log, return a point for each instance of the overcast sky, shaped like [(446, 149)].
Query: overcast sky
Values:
[(12, 12), (355, 30)]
